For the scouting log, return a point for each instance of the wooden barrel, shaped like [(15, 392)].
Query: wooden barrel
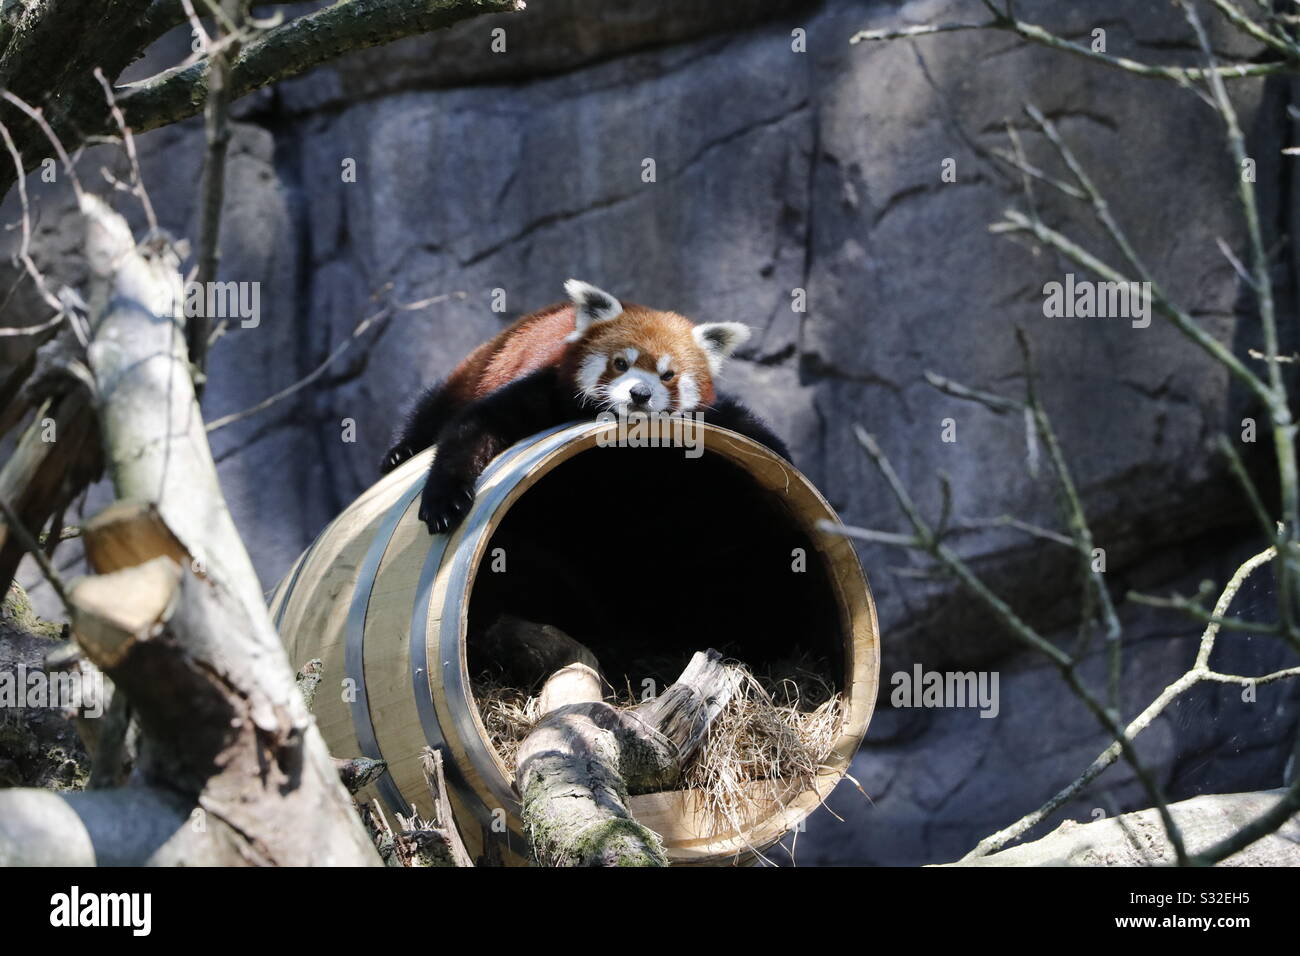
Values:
[(637, 552)]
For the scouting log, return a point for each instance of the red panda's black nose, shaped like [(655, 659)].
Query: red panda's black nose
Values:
[(641, 394)]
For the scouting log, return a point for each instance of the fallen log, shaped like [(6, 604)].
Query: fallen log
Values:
[(579, 765)]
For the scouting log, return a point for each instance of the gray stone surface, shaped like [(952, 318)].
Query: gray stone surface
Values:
[(775, 171), (1137, 839)]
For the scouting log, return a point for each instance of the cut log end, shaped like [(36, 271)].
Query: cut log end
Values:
[(577, 767), (573, 684), (127, 533), (114, 612)]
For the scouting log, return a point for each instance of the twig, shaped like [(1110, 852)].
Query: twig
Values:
[(1022, 630), (1007, 521), (380, 316), (39, 118), (994, 403), (1279, 42), (216, 125), (24, 246), (1072, 505), (1043, 37), (1018, 222), (7, 332), (128, 143), (1197, 673), (65, 534), (1279, 410)]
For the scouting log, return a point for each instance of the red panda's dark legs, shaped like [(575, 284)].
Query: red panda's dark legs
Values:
[(426, 418), (480, 432)]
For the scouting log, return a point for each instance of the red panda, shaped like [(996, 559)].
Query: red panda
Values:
[(568, 362)]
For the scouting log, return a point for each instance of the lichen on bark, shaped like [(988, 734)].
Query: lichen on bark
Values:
[(39, 746)]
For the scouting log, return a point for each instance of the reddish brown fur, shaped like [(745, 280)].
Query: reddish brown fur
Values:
[(538, 341)]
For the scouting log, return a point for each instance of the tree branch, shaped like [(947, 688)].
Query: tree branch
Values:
[(294, 48), (1044, 37), (212, 189)]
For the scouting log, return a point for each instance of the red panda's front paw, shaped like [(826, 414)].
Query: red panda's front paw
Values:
[(445, 501)]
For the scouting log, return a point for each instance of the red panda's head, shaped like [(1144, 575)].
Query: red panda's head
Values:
[(629, 358)]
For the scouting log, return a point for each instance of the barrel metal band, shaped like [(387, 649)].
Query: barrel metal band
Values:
[(419, 652), (297, 570), (293, 579), (449, 640), (354, 658), (458, 697)]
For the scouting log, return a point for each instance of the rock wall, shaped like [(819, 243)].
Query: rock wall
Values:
[(779, 174)]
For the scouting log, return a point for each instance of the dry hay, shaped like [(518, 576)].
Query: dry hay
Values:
[(508, 714), (767, 744), (762, 748)]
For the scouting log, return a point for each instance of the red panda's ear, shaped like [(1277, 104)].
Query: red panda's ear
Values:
[(591, 305), (719, 340)]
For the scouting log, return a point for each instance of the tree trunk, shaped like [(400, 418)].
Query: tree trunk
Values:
[(231, 767)]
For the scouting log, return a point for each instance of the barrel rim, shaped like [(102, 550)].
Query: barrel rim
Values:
[(855, 606)]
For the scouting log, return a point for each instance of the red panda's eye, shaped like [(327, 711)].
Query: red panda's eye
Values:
[(620, 364), (667, 376)]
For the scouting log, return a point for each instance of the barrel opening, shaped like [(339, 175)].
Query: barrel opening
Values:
[(645, 556)]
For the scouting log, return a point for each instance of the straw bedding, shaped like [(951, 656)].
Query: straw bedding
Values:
[(767, 743)]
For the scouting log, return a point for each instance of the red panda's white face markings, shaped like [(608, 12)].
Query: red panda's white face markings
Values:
[(628, 385), (634, 359), (629, 358), (623, 377)]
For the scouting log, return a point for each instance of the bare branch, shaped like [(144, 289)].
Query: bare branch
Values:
[(1019, 222), (294, 48), (128, 143), (30, 543), (381, 316), (1022, 630), (1197, 673), (1043, 37), (216, 126)]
